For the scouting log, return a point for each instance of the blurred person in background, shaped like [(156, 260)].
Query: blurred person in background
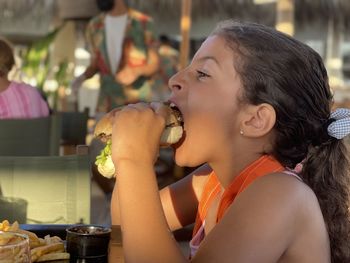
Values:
[(17, 100), (121, 42)]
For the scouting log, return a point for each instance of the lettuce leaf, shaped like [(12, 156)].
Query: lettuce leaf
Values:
[(107, 151)]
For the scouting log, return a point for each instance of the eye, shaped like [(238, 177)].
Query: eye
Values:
[(201, 75)]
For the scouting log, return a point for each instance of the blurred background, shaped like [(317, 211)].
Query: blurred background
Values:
[(51, 50), (47, 176), (48, 37)]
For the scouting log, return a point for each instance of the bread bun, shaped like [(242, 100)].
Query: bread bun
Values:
[(103, 128), (172, 133)]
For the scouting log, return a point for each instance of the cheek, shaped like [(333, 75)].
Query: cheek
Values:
[(200, 142)]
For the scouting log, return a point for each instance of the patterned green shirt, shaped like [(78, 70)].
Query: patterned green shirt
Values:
[(139, 38)]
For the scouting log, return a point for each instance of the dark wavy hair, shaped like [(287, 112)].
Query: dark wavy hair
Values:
[(287, 74), (7, 59)]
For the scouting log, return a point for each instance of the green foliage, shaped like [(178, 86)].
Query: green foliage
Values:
[(61, 73), (36, 62), (62, 80)]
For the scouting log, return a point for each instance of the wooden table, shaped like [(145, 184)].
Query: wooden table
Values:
[(115, 254)]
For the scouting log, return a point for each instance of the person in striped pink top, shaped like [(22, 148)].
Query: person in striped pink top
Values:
[(17, 100)]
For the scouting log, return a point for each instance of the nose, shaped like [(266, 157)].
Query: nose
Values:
[(175, 83)]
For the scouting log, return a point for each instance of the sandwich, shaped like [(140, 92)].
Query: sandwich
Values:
[(172, 133)]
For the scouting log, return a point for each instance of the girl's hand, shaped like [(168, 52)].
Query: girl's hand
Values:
[(136, 133)]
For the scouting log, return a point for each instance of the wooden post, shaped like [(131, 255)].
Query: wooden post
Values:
[(285, 16), (334, 62), (185, 32)]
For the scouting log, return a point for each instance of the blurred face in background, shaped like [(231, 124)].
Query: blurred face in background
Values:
[(7, 60), (108, 5), (105, 5)]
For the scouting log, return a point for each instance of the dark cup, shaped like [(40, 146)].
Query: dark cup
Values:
[(88, 241)]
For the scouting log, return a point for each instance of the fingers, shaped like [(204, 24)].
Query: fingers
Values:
[(114, 111), (156, 109), (160, 109), (137, 106)]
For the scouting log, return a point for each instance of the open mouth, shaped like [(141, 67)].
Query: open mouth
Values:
[(178, 115), (179, 121)]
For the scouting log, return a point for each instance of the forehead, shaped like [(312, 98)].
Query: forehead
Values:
[(216, 48)]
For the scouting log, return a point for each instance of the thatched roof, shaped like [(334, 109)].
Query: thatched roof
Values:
[(339, 10), (31, 17), (305, 10)]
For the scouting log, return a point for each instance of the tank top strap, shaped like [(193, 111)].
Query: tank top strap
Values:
[(292, 173), (210, 191), (263, 166)]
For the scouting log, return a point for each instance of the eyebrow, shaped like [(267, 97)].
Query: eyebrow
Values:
[(210, 58)]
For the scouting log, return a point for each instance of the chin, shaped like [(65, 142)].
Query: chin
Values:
[(180, 157), (184, 159)]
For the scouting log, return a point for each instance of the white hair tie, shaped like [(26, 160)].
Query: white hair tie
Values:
[(340, 127)]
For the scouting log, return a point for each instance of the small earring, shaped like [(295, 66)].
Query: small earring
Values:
[(241, 132)]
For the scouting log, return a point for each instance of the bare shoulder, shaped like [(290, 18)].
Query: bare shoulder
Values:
[(281, 195), (283, 192), (275, 209), (296, 200), (282, 184)]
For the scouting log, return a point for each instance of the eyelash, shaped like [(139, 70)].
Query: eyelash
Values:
[(201, 74)]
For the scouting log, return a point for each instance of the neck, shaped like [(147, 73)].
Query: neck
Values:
[(4, 83), (231, 167), (119, 8)]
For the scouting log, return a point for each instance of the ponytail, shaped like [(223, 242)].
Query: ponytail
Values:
[(326, 171)]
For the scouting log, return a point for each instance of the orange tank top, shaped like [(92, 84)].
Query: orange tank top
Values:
[(263, 166)]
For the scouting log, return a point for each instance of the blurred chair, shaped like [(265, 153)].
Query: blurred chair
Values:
[(48, 189), (30, 137), (74, 129)]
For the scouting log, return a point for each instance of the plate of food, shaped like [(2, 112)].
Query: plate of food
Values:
[(42, 249)]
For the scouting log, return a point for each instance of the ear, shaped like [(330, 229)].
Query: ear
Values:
[(258, 120)]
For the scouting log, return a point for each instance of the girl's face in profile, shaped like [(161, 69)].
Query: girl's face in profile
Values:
[(206, 92)]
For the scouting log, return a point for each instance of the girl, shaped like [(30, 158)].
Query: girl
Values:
[(273, 185)]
